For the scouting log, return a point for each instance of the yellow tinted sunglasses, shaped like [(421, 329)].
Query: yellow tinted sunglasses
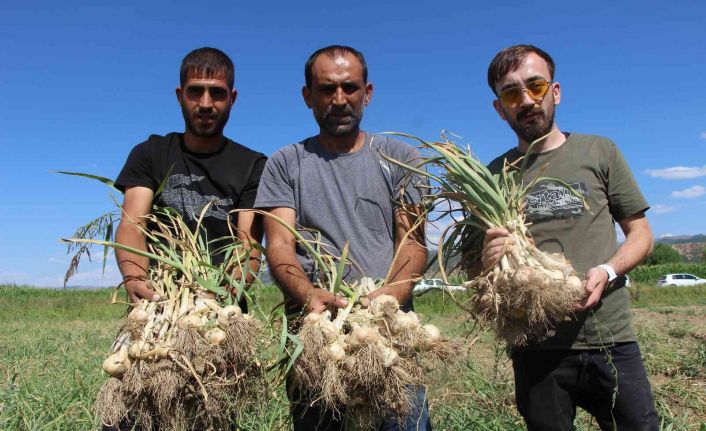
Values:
[(536, 89)]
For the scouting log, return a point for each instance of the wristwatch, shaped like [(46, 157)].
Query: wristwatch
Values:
[(609, 269)]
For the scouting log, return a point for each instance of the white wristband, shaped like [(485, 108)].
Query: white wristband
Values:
[(609, 269)]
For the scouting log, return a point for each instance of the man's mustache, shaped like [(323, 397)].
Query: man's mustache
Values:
[(339, 111), (529, 111)]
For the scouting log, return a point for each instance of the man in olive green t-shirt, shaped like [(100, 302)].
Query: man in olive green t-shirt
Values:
[(593, 360)]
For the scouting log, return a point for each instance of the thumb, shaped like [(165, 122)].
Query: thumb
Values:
[(340, 302), (143, 291)]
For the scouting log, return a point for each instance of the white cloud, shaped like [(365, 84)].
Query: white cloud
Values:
[(703, 135), (663, 209), (690, 193), (439, 220), (677, 172), (434, 230)]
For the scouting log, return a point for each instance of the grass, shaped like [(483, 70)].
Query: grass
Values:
[(53, 342)]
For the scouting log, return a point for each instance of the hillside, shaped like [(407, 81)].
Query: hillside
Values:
[(691, 247), (682, 239), (691, 251)]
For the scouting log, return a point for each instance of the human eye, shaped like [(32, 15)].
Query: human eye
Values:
[(194, 92), (537, 84), (511, 95), (218, 93), (327, 88), (350, 87)]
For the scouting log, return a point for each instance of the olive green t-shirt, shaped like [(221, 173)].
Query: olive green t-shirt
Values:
[(594, 167)]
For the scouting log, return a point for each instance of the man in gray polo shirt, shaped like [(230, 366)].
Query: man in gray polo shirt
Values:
[(337, 183)]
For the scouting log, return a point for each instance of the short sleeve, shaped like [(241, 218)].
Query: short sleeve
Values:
[(624, 196), (137, 171), (249, 194), (407, 186), (413, 184), (275, 189)]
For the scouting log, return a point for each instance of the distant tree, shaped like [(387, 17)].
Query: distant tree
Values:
[(663, 253)]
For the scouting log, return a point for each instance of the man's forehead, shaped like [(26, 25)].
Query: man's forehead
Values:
[(339, 66), (532, 67), (218, 80)]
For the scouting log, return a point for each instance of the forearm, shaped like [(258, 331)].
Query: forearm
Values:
[(249, 227), (132, 266), (410, 254), (407, 268), (637, 246), (289, 274)]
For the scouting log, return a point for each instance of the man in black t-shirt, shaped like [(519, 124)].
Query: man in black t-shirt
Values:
[(197, 167)]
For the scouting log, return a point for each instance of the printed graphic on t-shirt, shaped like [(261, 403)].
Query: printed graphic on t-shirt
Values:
[(189, 202), (554, 200)]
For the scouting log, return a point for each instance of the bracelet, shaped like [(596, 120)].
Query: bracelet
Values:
[(609, 269)]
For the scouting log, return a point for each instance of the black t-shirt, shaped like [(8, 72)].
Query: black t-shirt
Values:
[(227, 177)]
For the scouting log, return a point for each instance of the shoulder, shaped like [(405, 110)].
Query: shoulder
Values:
[(595, 141), (243, 152), (390, 143), (497, 163), (292, 152), (394, 148), (157, 144)]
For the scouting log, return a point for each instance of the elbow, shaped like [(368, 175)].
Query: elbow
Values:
[(120, 231), (650, 246), (649, 239)]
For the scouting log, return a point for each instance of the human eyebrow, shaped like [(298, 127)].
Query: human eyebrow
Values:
[(505, 87), (536, 78)]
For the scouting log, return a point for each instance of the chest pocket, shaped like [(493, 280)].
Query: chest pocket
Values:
[(371, 214)]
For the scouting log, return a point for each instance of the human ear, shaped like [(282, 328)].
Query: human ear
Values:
[(368, 93), (556, 92), (499, 109), (306, 93)]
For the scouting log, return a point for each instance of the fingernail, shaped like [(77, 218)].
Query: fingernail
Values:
[(156, 297)]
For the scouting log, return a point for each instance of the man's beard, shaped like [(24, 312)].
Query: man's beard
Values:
[(540, 126), (333, 126), (216, 127)]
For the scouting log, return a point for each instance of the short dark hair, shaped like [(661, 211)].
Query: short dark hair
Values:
[(511, 58), (332, 51), (207, 62)]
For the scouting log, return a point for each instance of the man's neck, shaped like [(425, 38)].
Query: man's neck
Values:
[(342, 144), (553, 140), (202, 144)]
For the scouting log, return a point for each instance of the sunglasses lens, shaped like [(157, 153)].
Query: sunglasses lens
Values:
[(511, 96), (537, 89)]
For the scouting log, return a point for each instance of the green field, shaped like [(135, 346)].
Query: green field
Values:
[(52, 343)]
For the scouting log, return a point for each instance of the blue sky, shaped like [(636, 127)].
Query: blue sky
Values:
[(82, 83)]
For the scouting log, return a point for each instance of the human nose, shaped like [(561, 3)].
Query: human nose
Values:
[(526, 98), (205, 101), (339, 97)]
